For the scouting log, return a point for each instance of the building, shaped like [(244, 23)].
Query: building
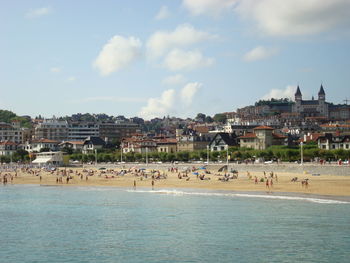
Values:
[(10, 132), (51, 129), (311, 108), (167, 145), (93, 143), (333, 142), (74, 145), (138, 143), (115, 131), (222, 141), (7, 148), (39, 145), (79, 131), (49, 158), (189, 140), (261, 138)]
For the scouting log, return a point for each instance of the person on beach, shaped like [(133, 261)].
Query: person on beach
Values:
[(152, 185), (256, 180), (134, 184), (67, 179), (271, 183), (267, 184)]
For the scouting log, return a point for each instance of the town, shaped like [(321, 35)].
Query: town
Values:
[(270, 130)]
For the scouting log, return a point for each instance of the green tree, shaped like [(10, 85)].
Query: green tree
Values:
[(220, 117)]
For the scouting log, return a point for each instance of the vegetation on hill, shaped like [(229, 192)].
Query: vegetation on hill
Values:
[(273, 101), (9, 116)]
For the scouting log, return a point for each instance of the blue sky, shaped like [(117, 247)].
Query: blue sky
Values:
[(176, 57)]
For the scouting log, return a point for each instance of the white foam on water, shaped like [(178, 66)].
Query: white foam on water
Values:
[(280, 197)]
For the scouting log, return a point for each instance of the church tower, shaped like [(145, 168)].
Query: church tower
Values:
[(323, 106), (321, 94), (298, 98)]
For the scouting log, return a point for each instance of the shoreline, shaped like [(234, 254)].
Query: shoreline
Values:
[(293, 196)]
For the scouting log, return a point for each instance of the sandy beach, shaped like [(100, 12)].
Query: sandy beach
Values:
[(333, 185)]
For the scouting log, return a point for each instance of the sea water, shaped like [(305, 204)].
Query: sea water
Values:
[(108, 224)]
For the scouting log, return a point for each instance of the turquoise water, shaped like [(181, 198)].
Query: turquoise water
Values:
[(102, 224)]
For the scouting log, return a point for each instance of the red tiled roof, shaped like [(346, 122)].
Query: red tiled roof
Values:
[(167, 141), (263, 128), (312, 137), (248, 136), (278, 136), (8, 143), (74, 142), (44, 141)]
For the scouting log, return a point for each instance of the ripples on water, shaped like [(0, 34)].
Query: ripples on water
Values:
[(102, 224)]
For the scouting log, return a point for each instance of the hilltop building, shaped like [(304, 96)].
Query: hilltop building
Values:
[(311, 108)]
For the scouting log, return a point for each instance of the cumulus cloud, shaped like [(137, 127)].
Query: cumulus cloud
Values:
[(188, 92), (184, 35), (208, 7), (288, 92), (170, 102), (178, 59), (295, 17), (38, 12), (174, 80), (118, 53), (281, 18), (162, 13), (259, 53)]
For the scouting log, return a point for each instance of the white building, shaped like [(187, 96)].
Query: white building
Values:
[(38, 145), (54, 158)]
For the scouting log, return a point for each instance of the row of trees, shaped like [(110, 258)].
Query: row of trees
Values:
[(283, 153)]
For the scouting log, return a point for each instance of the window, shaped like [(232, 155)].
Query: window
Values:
[(333, 146)]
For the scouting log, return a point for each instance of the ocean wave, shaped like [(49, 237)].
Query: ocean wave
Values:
[(280, 197)]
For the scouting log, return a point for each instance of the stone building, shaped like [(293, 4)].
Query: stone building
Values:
[(311, 108), (261, 138)]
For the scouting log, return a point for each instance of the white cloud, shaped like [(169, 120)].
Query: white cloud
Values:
[(288, 92), (159, 106), (32, 13), (208, 7), (162, 13), (186, 60), (259, 53), (170, 102), (55, 69), (184, 35), (118, 53), (296, 17), (174, 80), (188, 92)]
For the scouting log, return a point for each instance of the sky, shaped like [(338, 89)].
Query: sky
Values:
[(171, 57)]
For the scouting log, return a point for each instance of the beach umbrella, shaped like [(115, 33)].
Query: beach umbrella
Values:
[(223, 168)]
